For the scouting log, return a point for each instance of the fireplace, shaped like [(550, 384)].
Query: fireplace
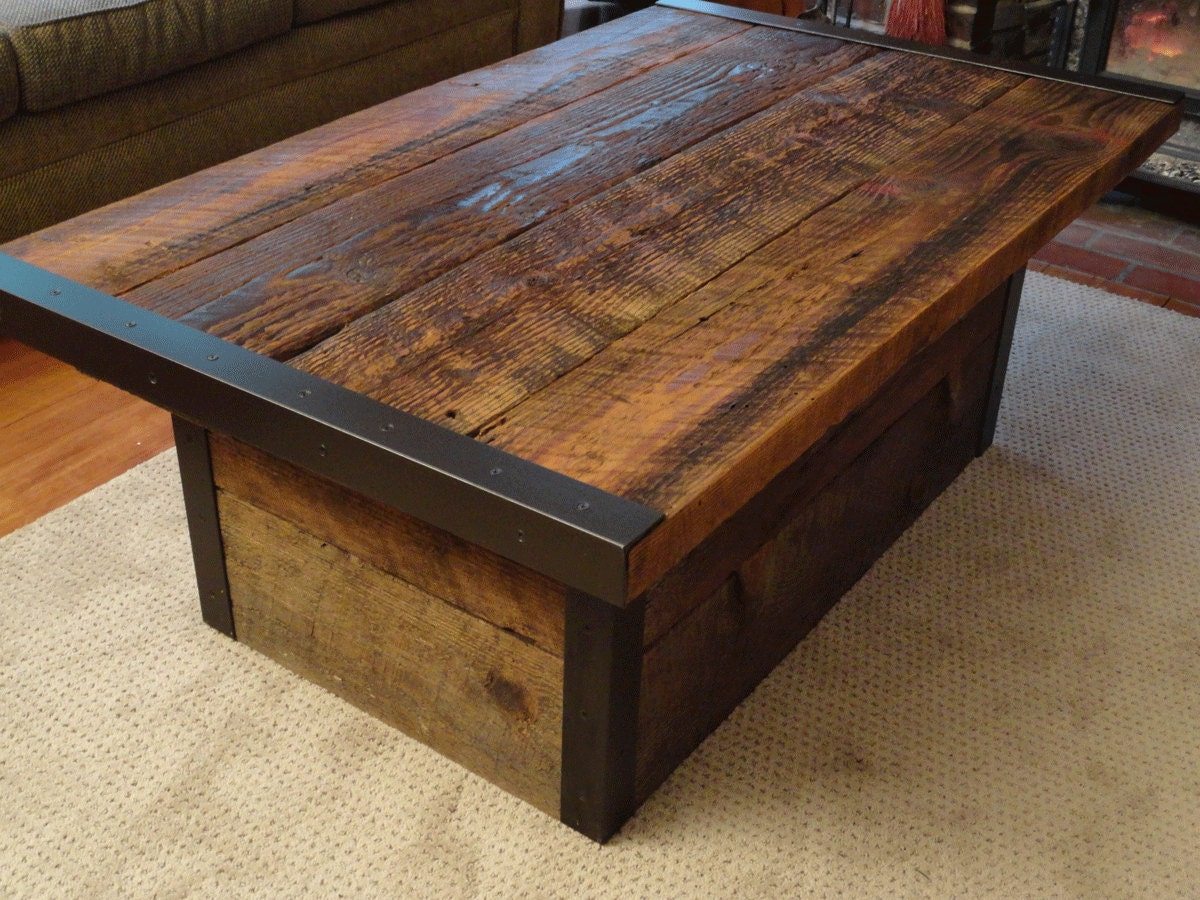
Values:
[(1035, 31), (1156, 41), (1152, 41)]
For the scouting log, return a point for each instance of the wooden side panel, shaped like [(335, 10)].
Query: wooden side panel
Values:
[(509, 596), (696, 672), (482, 697)]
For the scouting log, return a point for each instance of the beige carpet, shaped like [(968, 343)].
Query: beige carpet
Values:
[(1007, 705)]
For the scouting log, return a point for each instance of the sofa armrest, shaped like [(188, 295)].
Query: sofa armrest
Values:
[(538, 22)]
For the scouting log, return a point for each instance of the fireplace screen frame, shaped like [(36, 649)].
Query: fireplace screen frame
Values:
[(1093, 55)]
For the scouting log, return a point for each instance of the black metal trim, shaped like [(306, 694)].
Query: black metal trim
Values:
[(1101, 17), (567, 530), (982, 27), (884, 42), (1098, 30), (1012, 302), (204, 524), (602, 678)]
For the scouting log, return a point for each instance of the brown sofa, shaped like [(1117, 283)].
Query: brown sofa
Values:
[(100, 99)]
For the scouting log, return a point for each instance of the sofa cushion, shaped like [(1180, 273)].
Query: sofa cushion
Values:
[(10, 84), (70, 50), (315, 10)]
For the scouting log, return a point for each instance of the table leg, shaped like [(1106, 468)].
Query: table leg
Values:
[(204, 526), (1012, 302), (601, 686)]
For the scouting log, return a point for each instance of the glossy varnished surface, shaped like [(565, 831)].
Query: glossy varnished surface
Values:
[(663, 258)]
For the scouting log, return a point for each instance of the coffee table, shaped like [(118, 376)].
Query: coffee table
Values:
[(542, 411)]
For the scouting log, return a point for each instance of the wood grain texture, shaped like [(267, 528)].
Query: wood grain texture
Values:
[(137, 240), (741, 276), (32, 381), (516, 318), (664, 266), (715, 398), (698, 671), (709, 564), (478, 695), (731, 304), (285, 290), (502, 593)]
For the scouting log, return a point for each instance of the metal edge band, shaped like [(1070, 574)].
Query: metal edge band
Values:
[(204, 524), (560, 527), (602, 678), (1012, 288), (883, 42)]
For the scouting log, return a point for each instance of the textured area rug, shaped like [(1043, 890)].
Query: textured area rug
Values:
[(1007, 704)]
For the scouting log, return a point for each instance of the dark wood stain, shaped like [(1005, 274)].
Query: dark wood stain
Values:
[(513, 698), (749, 278), (424, 348), (135, 242), (374, 245)]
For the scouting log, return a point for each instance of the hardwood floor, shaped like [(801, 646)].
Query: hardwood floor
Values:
[(62, 434)]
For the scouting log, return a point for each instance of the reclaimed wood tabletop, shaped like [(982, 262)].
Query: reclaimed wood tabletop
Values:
[(663, 257)]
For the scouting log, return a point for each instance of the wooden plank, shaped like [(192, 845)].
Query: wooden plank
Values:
[(715, 398), (285, 290), (476, 342), (698, 671), (480, 696), (134, 241), (502, 593)]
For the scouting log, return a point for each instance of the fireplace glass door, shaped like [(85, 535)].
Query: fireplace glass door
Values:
[(1156, 40)]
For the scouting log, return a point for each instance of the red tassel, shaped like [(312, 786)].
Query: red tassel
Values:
[(917, 20)]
